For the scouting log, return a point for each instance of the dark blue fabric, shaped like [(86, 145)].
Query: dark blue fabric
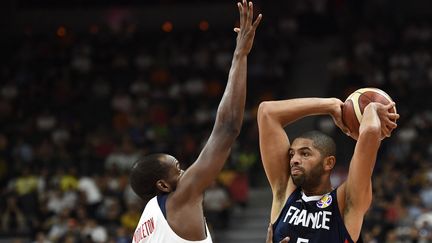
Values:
[(315, 221), (162, 203)]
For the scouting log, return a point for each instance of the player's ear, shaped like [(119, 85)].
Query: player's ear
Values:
[(163, 186), (329, 162)]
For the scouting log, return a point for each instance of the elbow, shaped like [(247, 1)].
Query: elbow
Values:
[(264, 110), (234, 131), (231, 130), (229, 124)]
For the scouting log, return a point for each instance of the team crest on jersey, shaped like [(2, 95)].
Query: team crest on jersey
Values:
[(325, 201)]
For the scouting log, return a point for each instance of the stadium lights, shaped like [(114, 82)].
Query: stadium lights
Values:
[(61, 32), (203, 25), (167, 26)]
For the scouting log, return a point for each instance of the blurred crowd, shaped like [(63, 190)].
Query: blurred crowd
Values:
[(35, 4), (77, 109)]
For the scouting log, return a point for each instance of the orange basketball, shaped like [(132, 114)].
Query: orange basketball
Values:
[(352, 111)]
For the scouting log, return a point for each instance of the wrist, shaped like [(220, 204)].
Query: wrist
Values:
[(370, 106), (240, 54), (332, 105)]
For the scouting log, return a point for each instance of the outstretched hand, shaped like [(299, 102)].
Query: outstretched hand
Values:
[(269, 238), (246, 30)]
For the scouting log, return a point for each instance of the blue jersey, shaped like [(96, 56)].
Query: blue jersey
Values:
[(311, 220)]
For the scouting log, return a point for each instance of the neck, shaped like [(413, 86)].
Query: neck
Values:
[(321, 189)]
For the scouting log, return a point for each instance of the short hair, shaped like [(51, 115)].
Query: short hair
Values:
[(324, 143), (144, 174)]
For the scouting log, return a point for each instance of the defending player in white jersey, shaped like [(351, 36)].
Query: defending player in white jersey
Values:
[(174, 211)]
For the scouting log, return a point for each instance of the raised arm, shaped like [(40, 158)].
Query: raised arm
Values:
[(356, 192), (229, 114), (273, 116)]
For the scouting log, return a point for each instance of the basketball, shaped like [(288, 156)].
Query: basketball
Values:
[(352, 110)]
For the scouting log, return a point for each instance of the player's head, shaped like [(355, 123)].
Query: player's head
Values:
[(155, 174), (311, 156)]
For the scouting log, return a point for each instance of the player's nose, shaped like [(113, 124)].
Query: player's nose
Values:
[(295, 160), (294, 163)]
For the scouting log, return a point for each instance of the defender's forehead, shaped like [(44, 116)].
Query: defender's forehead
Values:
[(168, 159)]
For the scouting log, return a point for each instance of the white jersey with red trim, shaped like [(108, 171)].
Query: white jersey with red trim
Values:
[(154, 228)]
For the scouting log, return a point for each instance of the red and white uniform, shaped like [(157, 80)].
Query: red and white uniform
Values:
[(154, 228)]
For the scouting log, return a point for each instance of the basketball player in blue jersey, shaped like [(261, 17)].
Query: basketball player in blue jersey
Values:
[(305, 207), (174, 211)]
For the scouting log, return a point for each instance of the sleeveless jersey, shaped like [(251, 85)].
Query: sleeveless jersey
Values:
[(154, 228), (314, 219)]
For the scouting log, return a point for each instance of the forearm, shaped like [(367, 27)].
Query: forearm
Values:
[(359, 187), (226, 129), (231, 108), (369, 140), (288, 111)]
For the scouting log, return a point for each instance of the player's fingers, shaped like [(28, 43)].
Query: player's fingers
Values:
[(347, 132), (390, 105), (257, 21), (237, 30), (389, 133), (244, 12), (250, 14), (240, 7), (385, 131), (344, 130), (391, 124), (393, 116), (342, 126), (285, 240)]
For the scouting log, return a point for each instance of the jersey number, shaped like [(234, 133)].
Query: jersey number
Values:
[(301, 240)]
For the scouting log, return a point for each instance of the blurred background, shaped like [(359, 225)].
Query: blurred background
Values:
[(86, 87)]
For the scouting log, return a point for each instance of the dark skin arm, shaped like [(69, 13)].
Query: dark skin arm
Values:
[(184, 205)]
